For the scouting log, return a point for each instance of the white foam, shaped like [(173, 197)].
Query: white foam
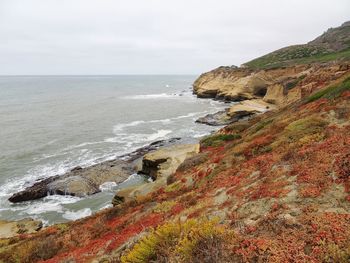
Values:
[(43, 207), (199, 135), (189, 115), (108, 186), (74, 215), (151, 96), (51, 203), (158, 135), (106, 206), (121, 126), (132, 139), (66, 151), (62, 199)]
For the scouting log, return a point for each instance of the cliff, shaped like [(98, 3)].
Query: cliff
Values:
[(271, 188)]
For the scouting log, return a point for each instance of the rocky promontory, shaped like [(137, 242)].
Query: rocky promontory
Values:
[(258, 91)]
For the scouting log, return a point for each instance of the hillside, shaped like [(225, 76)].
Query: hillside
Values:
[(331, 45), (274, 187)]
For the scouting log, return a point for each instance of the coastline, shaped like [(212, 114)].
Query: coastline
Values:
[(101, 135)]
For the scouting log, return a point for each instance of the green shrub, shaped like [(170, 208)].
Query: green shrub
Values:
[(330, 92), (218, 139), (333, 253), (179, 242), (293, 83)]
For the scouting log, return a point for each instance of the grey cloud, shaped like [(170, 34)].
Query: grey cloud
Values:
[(154, 36)]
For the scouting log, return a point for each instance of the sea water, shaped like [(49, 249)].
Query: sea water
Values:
[(51, 124)]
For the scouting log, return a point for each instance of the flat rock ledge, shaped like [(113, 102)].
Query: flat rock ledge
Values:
[(240, 111)]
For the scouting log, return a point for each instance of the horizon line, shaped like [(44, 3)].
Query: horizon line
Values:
[(92, 75)]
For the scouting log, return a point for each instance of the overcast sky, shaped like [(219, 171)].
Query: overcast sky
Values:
[(153, 36)]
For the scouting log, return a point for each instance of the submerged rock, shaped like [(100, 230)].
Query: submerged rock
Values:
[(24, 226)]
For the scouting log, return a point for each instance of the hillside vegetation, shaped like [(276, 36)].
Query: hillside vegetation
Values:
[(333, 44)]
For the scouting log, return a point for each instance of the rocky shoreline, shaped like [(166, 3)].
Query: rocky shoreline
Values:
[(87, 181), (156, 161)]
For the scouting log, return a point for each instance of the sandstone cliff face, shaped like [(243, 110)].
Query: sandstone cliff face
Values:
[(276, 86), (209, 84)]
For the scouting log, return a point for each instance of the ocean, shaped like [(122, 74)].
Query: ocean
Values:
[(51, 124)]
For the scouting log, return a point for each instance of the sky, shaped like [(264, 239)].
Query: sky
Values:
[(76, 37)]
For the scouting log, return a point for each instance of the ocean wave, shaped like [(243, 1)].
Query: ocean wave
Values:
[(65, 151), (42, 207), (121, 126), (158, 135), (74, 215), (132, 180), (108, 186), (151, 96), (130, 139)]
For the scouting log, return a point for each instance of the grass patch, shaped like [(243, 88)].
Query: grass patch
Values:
[(164, 207), (292, 84), (302, 131), (330, 92), (218, 139), (262, 124), (172, 187)]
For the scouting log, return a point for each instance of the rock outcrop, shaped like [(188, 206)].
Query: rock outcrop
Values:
[(165, 161), (24, 226), (159, 165)]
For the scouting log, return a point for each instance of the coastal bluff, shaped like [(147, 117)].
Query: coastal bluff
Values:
[(258, 91)]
